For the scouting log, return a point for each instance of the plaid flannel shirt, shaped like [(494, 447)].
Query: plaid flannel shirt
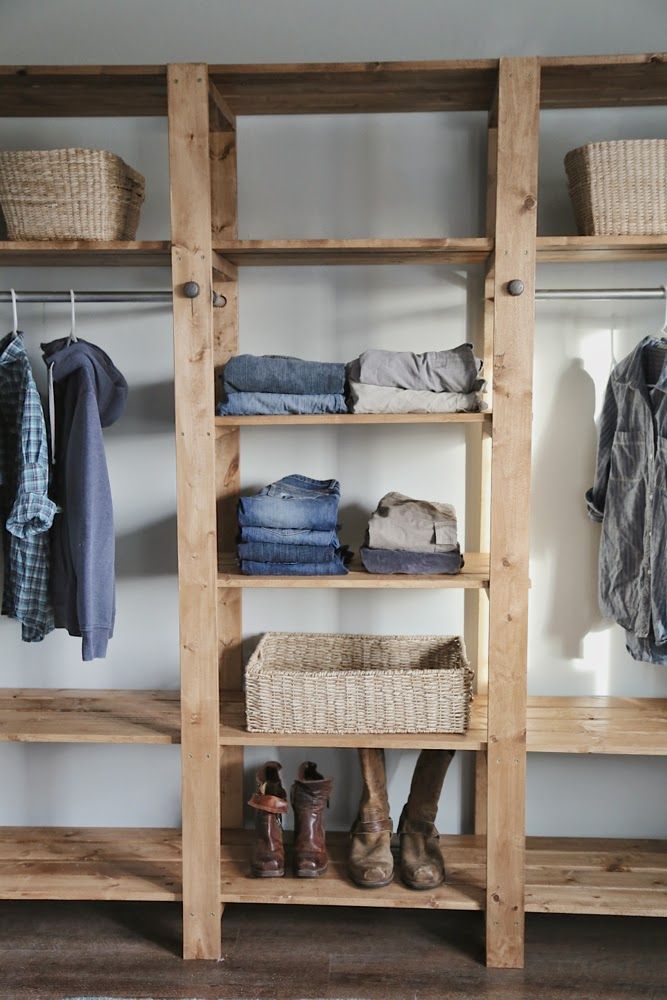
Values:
[(26, 513)]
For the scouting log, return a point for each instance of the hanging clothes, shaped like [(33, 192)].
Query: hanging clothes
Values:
[(26, 512), (89, 393), (629, 497)]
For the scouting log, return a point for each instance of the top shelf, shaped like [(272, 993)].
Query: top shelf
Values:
[(332, 88)]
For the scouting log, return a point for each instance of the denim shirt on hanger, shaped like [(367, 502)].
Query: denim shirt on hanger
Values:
[(629, 497)]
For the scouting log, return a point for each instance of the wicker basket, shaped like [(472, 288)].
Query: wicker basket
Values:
[(324, 683), (619, 188), (63, 194)]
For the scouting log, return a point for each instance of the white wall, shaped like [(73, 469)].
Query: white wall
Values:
[(404, 175)]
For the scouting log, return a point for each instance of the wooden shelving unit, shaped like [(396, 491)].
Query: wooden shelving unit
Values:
[(495, 869)]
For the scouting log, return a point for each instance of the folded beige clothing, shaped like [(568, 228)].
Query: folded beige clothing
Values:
[(386, 399), (406, 525)]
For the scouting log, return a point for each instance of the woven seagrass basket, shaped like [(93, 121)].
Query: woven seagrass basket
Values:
[(69, 194), (619, 188), (325, 683)]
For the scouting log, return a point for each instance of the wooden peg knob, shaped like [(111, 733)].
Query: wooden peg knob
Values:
[(515, 287), (191, 289)]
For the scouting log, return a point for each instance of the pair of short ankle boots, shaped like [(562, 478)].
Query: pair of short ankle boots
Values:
[(370, 862)]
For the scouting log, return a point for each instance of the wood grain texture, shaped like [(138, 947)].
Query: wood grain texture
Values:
[(515, 221), (270, 253), (34, 715), (224, 224), (195, 467), (474, 574), (85, 253), (352, 419), (583, 249)]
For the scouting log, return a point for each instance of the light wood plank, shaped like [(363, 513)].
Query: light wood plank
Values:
[(474, 574), (583, 249), (516, 203), (85, 253), (353, 419), (224, 223), (84, 716), (195, 464), (271, 253)]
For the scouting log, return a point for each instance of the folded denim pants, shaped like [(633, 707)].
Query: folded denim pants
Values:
[(273, 552), (277, 373), (293, 502), (334, 568), (289, 536), (415, 563), (241, 404)]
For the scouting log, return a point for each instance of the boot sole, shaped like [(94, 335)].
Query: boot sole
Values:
[(268, 874), (422, 888), (373, 885), (310, 874)]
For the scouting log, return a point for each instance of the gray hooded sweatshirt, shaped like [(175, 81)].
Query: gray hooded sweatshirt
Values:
[(89, 394)]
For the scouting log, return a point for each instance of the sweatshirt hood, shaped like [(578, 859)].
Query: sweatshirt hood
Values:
[(107, 383)]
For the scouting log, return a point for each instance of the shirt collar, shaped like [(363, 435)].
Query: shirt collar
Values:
[(11, 349), (632, 369)]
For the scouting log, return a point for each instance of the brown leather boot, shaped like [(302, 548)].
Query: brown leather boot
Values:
[(270, 803), (371, 864), (422, 865), (310, 795)]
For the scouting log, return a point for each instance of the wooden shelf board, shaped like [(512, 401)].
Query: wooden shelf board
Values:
[(603, 81), (313, 253), (35, 715), (632, 726), (581, 249), (85, 253), (344, 88), (563, 875), (93, 863), (83, 91), (350, 419), (475, 575)]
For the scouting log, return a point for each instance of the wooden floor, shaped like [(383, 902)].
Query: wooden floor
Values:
[(53, 950)]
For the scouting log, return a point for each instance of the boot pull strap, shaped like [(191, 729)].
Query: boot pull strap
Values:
[(268, 803), (372, 826)]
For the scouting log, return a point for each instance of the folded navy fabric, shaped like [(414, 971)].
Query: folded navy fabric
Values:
[(241, 404), (275, 552), (282, 374), (424, 563)]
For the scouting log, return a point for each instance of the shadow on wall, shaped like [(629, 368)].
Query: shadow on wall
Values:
[(149, 407), (149, 550), (562, 531)]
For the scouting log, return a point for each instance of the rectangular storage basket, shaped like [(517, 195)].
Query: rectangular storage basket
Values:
[(619, 188), (326, 683), (69, 194)]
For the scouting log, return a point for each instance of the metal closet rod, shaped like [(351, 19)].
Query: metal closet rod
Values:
[(165, 296)]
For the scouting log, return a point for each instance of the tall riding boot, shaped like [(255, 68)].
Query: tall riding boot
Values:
[(371, 864), (270, 803), (422, 865), (310, 796)]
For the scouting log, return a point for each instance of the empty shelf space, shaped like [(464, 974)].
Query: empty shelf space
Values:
[(269, 253), (554, 725), (580, 249), (92, 863), (475, 575), (85, 253), (32, 715), (351, 419), (590, 875)]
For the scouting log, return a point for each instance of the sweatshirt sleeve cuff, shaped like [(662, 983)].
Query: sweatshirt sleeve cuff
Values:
[(595, 512), (94, 643)]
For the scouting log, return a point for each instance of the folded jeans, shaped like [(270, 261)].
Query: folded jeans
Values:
[(241, 404), (251, 568), (274, 552), (293, 502), (278, 373), (288, 536)]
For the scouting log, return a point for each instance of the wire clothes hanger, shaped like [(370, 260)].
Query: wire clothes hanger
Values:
[(15, 315)]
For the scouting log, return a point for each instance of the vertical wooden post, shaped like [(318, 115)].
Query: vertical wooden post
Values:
[(195, 466), (478, 485), (515, 233), (224, 208)]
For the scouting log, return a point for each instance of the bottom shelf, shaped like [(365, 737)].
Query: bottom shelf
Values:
[(563, 875)]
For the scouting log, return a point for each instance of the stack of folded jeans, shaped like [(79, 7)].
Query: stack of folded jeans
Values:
[(403, 382), (273, 384), (411, 536), (289, 529)]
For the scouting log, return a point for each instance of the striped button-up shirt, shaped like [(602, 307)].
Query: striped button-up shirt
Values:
[(26, 513), (629, 497)]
